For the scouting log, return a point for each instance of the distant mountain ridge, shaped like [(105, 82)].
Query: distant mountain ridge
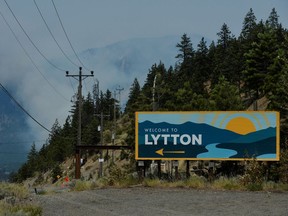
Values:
[(136, 53), (132, 58)]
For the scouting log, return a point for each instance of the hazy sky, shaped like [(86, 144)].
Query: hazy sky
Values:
[(95, 23)]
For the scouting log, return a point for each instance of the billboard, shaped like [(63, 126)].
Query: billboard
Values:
[(221, 135)]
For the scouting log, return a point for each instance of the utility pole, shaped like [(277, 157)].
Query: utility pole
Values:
[(96, 95), (80, 78), (114, 125), (101, 151), (101, 159)]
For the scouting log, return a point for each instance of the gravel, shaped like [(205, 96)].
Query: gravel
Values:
[(155, 201)]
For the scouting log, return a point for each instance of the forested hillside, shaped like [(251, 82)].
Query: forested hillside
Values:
[(232, 73)]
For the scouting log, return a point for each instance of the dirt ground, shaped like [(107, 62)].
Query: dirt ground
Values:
[(154, 201)]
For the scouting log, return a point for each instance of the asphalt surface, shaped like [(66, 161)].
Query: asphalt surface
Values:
[(155, 201)]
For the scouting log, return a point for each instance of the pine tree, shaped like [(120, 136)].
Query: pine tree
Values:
[(167, 90), (87, 110), (187, 100), (185, 58), (134, 93), (257, 61), (225, 56), (156, 74), (32, 161), (225, 97), (249, 26), (272, 21), (202, 68), (185, 49), (277, 83), (225, 36)]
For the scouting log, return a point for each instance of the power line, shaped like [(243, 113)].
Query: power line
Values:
[(53, 35), (31, 39), (21, 142), (14, 153), (19, 105), (72, 86), (67, 36), (30, 58)]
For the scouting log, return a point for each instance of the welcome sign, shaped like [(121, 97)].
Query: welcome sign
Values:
[(219, 135)]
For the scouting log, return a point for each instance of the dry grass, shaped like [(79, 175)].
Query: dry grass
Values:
[(227, 184), (195, 182), (14, 201)]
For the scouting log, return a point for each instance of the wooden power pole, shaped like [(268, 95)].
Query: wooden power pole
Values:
[(79, 77)]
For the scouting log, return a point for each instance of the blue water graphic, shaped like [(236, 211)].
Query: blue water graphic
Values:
[(267, 156), (214, 152)]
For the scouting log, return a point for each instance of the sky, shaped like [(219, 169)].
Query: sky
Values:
[(96, 24)]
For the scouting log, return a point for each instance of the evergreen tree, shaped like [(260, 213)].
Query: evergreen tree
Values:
[(185, 56), (155, 75), (202, 68), (32, 161), (257, 61), (225, 56), (225, 97), (272, 21), (277, 83), (134, 93), (213, 59), (249, 26), (187, 100), (185, 50), (68, 139), (168, 89), (224, 37)]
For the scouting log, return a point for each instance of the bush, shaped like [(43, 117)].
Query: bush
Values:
[(283, 167), (253, 175)]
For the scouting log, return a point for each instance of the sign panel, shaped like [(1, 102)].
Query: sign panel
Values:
[(227, 135)]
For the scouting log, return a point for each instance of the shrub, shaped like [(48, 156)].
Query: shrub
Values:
[(253, 174)]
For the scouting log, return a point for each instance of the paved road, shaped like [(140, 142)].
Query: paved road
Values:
[(151, 201)]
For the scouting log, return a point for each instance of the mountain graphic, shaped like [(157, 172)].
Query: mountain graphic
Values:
[(256, 136), (253, 144)]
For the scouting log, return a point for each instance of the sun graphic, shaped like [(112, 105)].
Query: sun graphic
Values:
[(240, 125)]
